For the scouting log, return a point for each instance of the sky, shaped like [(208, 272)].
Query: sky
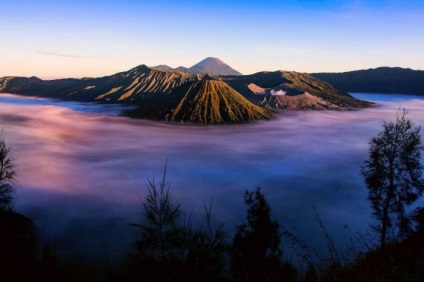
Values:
[(54, 39)]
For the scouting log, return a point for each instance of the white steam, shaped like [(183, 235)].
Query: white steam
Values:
[(278, 92)]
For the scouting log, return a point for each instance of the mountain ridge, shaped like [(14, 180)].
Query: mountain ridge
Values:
[(156, 93), (390, 80), (209, 65)]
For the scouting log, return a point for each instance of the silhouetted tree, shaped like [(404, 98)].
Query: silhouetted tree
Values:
[(393, 173), (169, 247), (7, 174), (156, 249), (256, 252)]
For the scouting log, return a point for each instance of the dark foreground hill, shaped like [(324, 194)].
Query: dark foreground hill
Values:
[(198, 98), (379, 80)]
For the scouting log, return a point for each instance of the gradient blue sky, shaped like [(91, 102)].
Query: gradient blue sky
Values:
[(78, 38)]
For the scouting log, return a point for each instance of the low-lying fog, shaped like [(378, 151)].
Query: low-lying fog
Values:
[(82, 171)]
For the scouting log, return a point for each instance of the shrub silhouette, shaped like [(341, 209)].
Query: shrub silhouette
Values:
[(256, 253)]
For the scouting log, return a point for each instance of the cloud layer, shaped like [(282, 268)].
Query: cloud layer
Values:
[(82, 173)]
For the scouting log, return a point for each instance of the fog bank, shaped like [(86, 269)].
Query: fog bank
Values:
[(82, 170)]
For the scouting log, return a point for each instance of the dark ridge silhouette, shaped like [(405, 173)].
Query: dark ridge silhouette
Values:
[(379, 80)]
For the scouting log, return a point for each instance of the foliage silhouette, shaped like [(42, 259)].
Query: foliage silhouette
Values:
[(393, 173), (170, 248), (7, 174), (256, 253)]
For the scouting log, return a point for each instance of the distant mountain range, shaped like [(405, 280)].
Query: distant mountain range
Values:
[(210, 65), (177, 96), (379, 80)]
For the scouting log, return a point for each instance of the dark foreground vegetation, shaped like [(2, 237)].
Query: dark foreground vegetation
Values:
[(170, 247)]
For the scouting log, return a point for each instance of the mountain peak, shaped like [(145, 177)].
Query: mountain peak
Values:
[(207, 101), (162, 67), (213, 66), (141, 67), (211, 60), (210, 65)]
